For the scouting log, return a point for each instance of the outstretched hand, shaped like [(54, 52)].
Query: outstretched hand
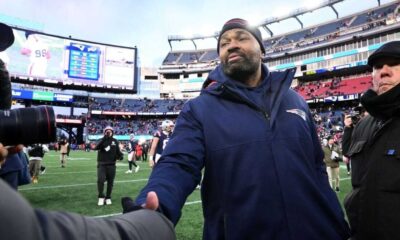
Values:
[(151, 201), (128, 205)]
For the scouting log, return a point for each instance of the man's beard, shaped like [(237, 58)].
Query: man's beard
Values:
[(241, 70)]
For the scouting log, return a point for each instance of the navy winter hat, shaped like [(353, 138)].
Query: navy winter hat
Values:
[(390, 49), (243, 24), (6, 36)]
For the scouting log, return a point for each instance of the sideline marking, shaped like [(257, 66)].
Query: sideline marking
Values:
[(116, 214), (79, 185)]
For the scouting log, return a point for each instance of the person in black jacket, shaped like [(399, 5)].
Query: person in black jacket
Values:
[(346, 140), (108, 153), (373, 205)]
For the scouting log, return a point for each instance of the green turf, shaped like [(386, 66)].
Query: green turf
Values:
[(74, 189)]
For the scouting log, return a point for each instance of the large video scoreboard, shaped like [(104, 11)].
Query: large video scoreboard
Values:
[(56, 59), (83, 61)]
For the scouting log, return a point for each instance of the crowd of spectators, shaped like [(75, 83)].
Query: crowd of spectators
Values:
[(335, 86), (62, 116), (136, 105), (348, 26), (329, 119), (137, 126)]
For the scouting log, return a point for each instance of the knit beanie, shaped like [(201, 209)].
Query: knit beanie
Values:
[(243, 24)]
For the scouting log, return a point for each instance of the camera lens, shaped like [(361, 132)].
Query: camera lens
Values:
[(27, 126)]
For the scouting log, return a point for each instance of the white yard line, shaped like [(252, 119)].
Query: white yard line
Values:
[(79, 185), (62, 173), (116, 214)]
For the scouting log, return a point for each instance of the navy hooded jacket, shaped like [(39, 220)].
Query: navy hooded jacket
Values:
[(264, 175)]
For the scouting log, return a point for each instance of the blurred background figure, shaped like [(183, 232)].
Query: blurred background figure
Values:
[(145, 147), (107, 155), (132, 154), (332, 158), (160, 140), (36, 153), (63, 152)]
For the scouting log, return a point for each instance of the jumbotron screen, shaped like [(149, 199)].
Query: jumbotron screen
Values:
[(58, 59)]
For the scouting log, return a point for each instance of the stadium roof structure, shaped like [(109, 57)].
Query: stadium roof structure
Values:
[(264, 24)]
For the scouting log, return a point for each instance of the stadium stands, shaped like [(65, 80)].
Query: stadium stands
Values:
[(342, 27), (334, 87)]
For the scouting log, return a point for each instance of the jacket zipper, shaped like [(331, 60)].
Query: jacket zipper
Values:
[(232, 94)]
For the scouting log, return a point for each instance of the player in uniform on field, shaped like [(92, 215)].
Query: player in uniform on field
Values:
[(160, 140), (132, 154)]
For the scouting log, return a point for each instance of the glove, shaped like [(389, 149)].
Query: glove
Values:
[(128, 205)]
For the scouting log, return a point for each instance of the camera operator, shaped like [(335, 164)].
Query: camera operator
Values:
[(108, 153), (15, 169), (350, 121)]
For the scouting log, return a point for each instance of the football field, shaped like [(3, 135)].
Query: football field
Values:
[(74, 189)]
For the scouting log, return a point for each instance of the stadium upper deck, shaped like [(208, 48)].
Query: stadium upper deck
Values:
[(343, 43)]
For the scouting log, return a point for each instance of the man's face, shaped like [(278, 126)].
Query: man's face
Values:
[(240, 53), (386, 74), (108, 133)]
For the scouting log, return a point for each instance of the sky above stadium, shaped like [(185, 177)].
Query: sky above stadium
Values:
[(147, 24)]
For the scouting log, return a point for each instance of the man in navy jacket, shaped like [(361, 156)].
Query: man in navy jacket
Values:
[(264, 175)]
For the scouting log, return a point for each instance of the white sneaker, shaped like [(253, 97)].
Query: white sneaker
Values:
[(129, 171), (137, 169), (108, 201), (100, 202)]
